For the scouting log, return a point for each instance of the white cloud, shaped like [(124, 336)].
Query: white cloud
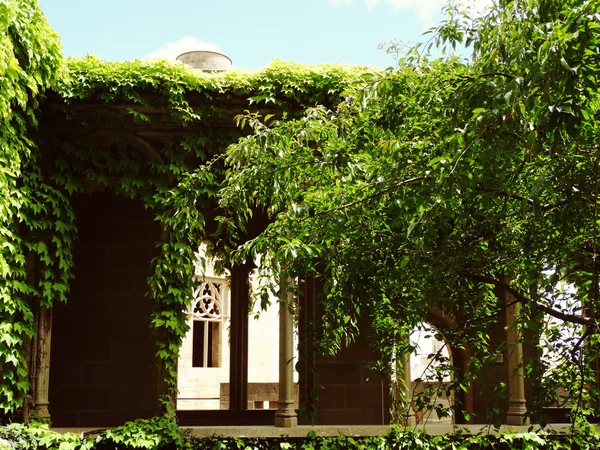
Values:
[(425, 9), (171, 50), (371, 4)]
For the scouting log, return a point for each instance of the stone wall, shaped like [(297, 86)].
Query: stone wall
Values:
[(485, 398), (103, 370), (351, 394)]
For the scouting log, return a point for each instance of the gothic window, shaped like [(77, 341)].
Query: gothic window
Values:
[(208, 314)]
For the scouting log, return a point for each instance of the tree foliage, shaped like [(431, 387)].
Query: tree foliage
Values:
[(440, 182), (433, 186)]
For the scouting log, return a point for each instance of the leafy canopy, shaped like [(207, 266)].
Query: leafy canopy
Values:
[(438, 183)]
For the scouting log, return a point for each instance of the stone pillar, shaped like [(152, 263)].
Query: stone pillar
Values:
[(403, 413), (468, 405), (42, 380), (286, 414), (408, 419), (516, 381)]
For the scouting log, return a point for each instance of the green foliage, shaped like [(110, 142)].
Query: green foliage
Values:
[(155, 433), (280, 83), (162, 433), (34, 436), (37, 224), (185, 183), (420, 193), (30, 61), (440, 183)]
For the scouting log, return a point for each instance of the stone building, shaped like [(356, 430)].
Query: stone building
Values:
[(93, 362)]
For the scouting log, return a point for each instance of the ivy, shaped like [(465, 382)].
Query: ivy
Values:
[(163, 433), (30, 63), (278, 83), (181, 187), (39, 177), (424, 146)]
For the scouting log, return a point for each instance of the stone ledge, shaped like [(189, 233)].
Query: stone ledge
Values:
[(331, 430)]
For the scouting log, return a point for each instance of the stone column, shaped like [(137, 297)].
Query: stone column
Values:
[(286, 413), (408, 419), (42, 380), (516, 381), (468, 396)]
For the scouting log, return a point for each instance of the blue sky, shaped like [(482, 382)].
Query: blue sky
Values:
[(251, 32)]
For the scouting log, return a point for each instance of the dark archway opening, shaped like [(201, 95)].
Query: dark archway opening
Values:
[(103, 370)]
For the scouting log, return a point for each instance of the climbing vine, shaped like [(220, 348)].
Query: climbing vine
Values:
[(161, 433), (184, 181), (30, 63), (176, 176)]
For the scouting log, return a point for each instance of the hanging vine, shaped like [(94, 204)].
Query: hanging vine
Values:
[(30, 63), (176, 177)]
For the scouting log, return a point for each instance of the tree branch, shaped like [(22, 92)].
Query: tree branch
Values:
[(490, 316), (489, 75), (469, 145), (371, 196), (573, 318), (503, 193)]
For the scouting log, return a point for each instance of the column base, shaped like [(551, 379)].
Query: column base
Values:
[(286, 419), (42, 411), (405, 421), (516, 414)]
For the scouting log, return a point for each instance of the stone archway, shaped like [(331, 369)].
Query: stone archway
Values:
[(430, 376)]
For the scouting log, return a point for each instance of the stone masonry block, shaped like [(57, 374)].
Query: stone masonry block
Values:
[(338, 373)]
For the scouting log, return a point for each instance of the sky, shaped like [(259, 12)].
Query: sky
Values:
[(250, 32)]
